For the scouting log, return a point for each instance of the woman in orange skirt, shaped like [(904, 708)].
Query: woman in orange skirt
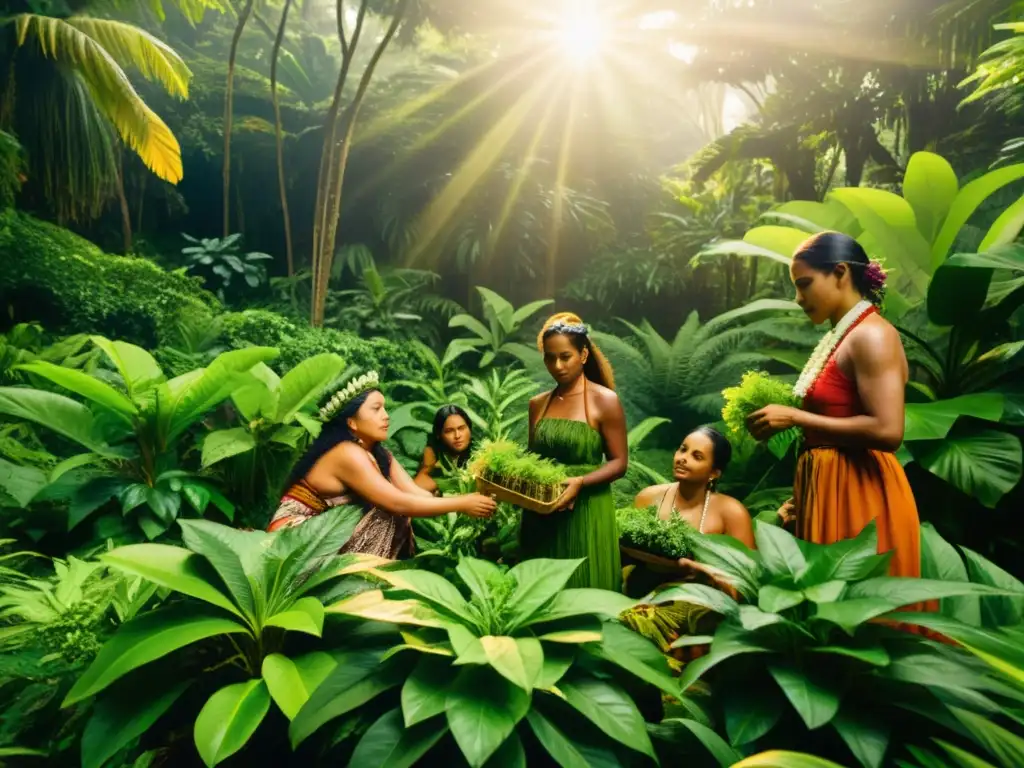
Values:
[(853, 408)]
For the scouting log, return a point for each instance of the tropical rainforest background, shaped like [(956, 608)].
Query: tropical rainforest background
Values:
[(213, 210)]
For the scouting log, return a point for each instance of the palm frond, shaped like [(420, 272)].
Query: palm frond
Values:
[(131, 46), (138, 125)]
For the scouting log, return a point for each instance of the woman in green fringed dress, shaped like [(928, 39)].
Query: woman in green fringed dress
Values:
[(579, 423)]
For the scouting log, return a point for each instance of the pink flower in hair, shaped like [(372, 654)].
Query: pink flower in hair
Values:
[(875, 276)]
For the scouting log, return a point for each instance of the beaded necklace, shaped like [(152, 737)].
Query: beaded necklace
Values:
[(823, 352)]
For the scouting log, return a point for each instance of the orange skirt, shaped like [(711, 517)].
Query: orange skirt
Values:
[(837, 492)]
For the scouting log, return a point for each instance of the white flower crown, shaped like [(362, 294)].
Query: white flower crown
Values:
[(345, 395), (561, 326)]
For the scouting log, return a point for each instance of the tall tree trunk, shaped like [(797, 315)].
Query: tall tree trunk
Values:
[(229, 93), (142, 202), (336, 156), (281, 182), (126, 219)]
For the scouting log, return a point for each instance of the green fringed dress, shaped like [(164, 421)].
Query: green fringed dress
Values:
[(588, 529)]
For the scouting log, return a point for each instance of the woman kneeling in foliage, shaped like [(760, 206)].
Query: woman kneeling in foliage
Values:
[(449, 445), (579, 423), (697, 465), (348, 464)]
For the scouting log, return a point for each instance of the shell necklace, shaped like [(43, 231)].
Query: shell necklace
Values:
[(823, 352)]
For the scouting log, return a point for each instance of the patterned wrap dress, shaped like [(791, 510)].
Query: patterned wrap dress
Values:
[(378, 532)]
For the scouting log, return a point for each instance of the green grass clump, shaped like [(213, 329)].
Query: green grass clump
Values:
[(755, 391), (509, 465), (643, 529)]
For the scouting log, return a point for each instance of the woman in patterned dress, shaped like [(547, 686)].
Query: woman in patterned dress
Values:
[(349, 465)]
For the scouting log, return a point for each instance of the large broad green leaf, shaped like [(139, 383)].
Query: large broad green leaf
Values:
[(609, 708), (730, 640), (518, 660), (982, 463), (582, 602), (999, 742), (845, 560), (685, 734), (257, 394), (304, 384), (495, 306), (997, 610), (930, 186), (537, 582), (741, 248), (635, 654), (932, 421), (171, 567), (865, 735), (233, 554), (136, 366), (750, 714), (483, 710), (940, 560), (292, 681), (87, 386), (890, 233), (966, 202), (63, 415), (425, 690), (387, 744), (225, 443), (184, 400), (527, 311), (782, 240), (1006, 228), (813, 217), (475, 573), (564, 750), (359, 677), (304, 615), (124, 714), (374, 606), (229, 719), (960, 286), (779, 551), (698, 594), (435, 590), (144, 639), (814, 700), (557, 661), (782, 759), (21, 483), (741, 566)]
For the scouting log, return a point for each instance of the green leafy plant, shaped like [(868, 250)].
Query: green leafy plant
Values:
[(134, 432), (755, 391), (219, 260), (252, 588), (497, 404), (521, 654), (277, 418), (511, 466), (501, 322), (643, 529), (804, 659)]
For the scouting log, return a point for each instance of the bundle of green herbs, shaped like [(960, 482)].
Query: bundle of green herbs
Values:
[(756, 390), (509, 465), (643, 529)]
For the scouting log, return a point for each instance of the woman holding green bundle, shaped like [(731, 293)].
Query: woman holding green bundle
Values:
[(580, 423)]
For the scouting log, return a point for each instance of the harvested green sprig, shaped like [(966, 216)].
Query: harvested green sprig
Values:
[(755, 391), (643, 529), (509, 465)]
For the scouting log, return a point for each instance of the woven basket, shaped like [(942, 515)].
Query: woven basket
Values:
[(501, 493)]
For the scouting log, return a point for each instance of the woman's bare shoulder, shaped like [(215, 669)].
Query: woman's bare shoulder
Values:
[(650, 495), (729, 506)]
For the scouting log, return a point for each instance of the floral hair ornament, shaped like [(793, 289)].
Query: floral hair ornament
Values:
[(560, 326), (350, 391), (875, 275)]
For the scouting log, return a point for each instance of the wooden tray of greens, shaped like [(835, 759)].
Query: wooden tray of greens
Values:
[(512, 474), (657, 543)]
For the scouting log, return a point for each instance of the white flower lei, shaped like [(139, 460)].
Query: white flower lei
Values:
[(355, 387), (820, 356)]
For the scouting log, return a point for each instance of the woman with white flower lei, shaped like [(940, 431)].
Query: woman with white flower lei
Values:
[(348, 464), (853, 408)]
